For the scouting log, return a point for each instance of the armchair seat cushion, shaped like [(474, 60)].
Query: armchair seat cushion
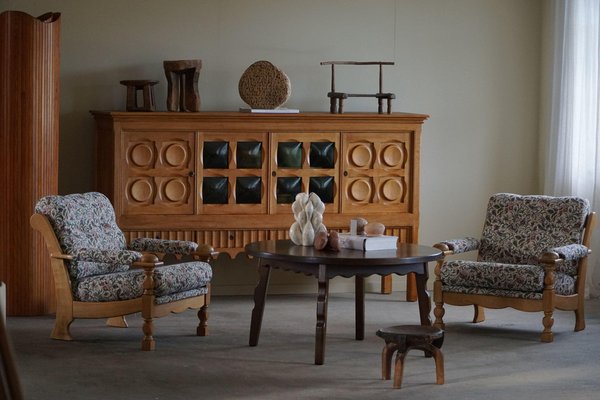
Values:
[(503, 277), (171, 282), (492, 292)]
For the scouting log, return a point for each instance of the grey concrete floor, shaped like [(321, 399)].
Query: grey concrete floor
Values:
[(500, 358)]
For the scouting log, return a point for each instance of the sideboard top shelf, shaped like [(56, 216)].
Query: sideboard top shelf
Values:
[(208, 115)]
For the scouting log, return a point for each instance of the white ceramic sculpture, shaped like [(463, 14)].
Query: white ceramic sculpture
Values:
[(308, 213)]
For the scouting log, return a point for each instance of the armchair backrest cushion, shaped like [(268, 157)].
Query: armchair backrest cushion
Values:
[(84, 221), (519, 229)]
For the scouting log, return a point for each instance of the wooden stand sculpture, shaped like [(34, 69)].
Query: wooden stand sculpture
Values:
[(133, 86), (341, 96), (29, 116), (182, 79)]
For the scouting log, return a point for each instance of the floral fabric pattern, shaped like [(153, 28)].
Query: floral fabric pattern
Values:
[(526, 278), (151, 245), (563, 285), (113, 257), (492, 292), (462, 245), (168, 280), (83, 221), (571, 252), (517, 231)]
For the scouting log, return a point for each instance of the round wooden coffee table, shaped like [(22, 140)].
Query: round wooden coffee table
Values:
[(325, 265)]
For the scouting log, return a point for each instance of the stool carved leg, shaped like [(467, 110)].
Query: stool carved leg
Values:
[(438, 356), (386, 360), (399, 368)]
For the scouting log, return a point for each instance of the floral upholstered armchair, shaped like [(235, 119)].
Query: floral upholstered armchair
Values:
[(531, 257), (97, 276)]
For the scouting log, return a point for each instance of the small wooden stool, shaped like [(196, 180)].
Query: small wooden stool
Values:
[(403, 338), (147, 94)]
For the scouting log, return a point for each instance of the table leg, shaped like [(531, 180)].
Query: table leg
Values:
[(423, 296), (321, 315), (260, 295), (359, 283)]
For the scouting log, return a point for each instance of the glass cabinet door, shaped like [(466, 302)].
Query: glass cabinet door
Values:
[(232, 173), (303, 162)]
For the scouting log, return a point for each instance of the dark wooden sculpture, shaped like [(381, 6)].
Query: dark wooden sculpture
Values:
[(182, 80), (133, 86), (341, 96), (401, 339)]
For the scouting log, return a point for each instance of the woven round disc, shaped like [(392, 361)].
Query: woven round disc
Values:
[(263, 85)]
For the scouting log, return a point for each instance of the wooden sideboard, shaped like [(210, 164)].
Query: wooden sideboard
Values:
[(229, 178)]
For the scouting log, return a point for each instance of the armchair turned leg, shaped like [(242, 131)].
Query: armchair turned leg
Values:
[(438, 356), (399, 368), (548, 321), (479, 314), (548, 298), (202, 329), (438, 311), (148, 343)]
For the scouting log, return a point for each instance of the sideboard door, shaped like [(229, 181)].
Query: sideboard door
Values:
[(377, 172), (158, 172)]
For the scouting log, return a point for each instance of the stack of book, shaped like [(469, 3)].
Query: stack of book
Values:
[(366, 243)]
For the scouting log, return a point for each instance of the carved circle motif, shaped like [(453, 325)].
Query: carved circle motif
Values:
[(175, 190), (263, 85), (141, 190), (361, 155), (360, 190), (393, 155), (391, 190), (141, 155), (176, 155)]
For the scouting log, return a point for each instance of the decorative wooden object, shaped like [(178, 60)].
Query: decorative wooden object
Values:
[(403, 338), (146, 87), (341, 96), (182, 80), (264, 86), (29, 115), (229, 178)]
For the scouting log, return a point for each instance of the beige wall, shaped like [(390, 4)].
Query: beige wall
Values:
[(473, 65)]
